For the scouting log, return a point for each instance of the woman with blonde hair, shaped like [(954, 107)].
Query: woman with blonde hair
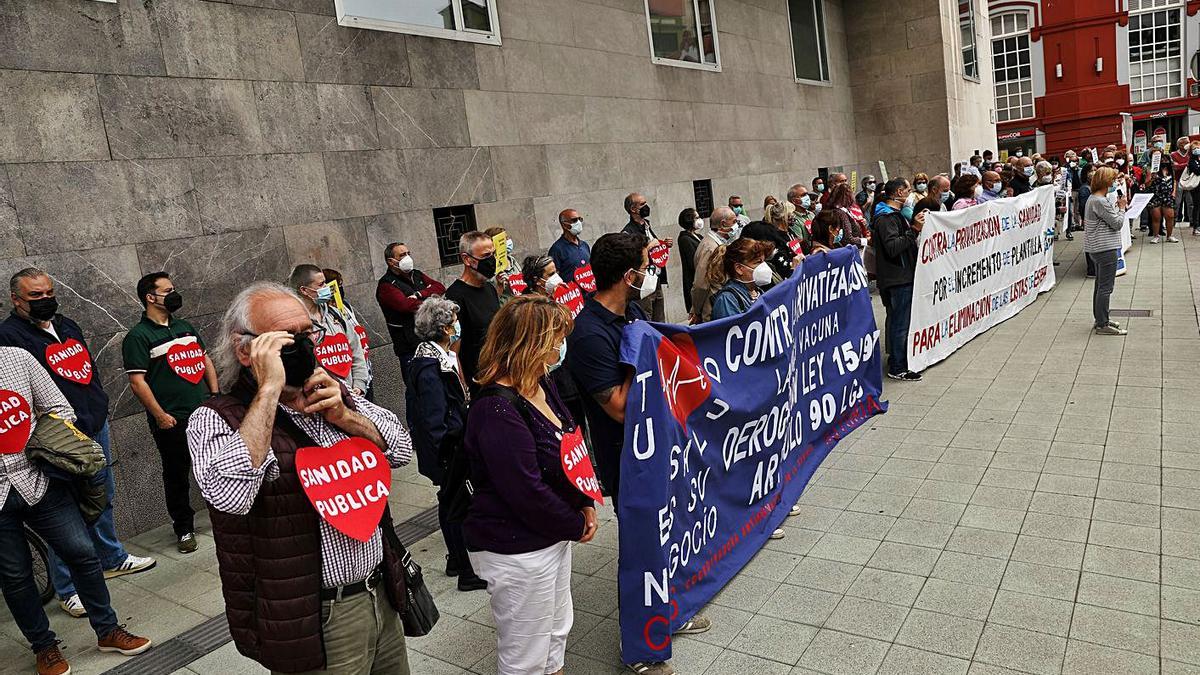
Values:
[(524, 511), (1103, 218), (741, 272)]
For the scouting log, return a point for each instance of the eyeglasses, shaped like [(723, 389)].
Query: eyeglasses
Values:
[(315, 334)]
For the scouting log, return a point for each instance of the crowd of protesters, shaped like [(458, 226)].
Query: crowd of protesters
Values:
[(523, 349)]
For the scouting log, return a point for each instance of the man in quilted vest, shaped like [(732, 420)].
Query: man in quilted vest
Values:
[(306, 589)]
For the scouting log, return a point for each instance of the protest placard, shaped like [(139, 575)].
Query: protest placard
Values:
[(585, 278), (724, 425), (334, 354), (347, 483), (186, 359), (977, 267), (500, 241), (70, 360)]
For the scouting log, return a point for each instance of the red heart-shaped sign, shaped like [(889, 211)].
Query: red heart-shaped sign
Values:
[(797, 246), (16, 422), (578, 465), (570, 295), (585, 278), (187, 360), (347, 483), (685, 384), (334, 354), (362, 339), (516, 283), (660, 254), (70, 360)]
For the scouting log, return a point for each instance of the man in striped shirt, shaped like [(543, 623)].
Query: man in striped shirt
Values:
[(29, 498)]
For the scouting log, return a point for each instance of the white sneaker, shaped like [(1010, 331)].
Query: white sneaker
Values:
[(1154, 240), (73, 606), (132, 564), (778, 533), (1172, 240), (795, 510)]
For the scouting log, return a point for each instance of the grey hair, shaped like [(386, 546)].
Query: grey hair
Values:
[(435, 314), (794, 191), (27, 273), (719, 215), (235, 325), (467, 241), (1043, 167)]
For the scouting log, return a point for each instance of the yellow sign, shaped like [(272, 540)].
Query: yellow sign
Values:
[(337, 296), (854, 181), (500, 241)]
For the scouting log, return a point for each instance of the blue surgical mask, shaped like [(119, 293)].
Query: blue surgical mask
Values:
[(1028, 170), (907, 212), (820, 187), (457, 334), (562, 355), (921, 187), (837, 238), (806, 201), (324, 295)]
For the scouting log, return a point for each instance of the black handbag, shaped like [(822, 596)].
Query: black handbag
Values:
[(420, 613)]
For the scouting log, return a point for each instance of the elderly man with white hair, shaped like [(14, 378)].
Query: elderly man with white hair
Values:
[(722, 230), (305, 589)]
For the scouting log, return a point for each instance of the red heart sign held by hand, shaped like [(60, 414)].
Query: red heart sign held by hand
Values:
[(347, 483), (659, 255), (187, 360), (570, 295), (334, 354), (797, 246), (70, 360), (516, 283), (585, 278), (362, 340), (685, 384), (16, 422), (578, 465)]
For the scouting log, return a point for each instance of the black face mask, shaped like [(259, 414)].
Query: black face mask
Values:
[(299, 361), (487, 267), (43, 309), (644, 212), (172, 301)]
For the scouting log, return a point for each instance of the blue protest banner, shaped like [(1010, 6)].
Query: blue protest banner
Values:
[(725, 424)]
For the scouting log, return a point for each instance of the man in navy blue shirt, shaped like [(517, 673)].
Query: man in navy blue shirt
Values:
[(59, 346), (621, 265), (570, 252)]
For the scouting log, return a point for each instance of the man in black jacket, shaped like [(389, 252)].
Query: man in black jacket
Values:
[(639, 223), (1023, 173), (400, 293), (895, 242)]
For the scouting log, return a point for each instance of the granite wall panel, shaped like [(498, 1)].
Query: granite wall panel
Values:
[(241, 193), (367, 183), (332, 53), (339, 244), (49, 117), (178, 117), (408, 117), (73, 206), (300, 117), (67, 35), (11, 245), (522, 171), (212, 39)]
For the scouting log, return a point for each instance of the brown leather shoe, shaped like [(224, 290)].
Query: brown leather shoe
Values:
[(50, 661), (124, 642)]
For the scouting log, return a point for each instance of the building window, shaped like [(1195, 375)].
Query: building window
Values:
[(1010, 66), (469, 20), (810, 58), (683, 33), (703, 197), (966, 24), (449, 224), (1155, 50)]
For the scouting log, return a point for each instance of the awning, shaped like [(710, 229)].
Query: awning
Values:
[(1020, 133), (1155, 114)]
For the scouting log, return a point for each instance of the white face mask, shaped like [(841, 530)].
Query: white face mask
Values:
[(978, 190), (577, 227), (1120, 162), (698, 223), (406, 264), (996, 187), (649, 283), (762, 274), (552, 282)]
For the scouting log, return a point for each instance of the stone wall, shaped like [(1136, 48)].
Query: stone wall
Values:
[(225, 141)]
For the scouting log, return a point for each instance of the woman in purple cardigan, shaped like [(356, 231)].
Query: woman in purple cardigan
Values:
[(525, 512)]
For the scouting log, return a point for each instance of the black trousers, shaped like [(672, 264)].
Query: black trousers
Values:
[(177, 471)]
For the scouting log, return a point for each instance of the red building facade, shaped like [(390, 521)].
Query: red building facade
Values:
[(1067, 70)]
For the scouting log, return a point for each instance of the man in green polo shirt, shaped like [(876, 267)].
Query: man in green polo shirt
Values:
[(171, 374)]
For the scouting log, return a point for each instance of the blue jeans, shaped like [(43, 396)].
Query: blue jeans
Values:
[(897, 300), (56, 519), (103, 531)]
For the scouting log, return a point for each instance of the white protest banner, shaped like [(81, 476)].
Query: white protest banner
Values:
[(977, 267)]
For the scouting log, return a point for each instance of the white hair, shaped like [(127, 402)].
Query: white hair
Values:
[(434, 314), (236, 326)]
